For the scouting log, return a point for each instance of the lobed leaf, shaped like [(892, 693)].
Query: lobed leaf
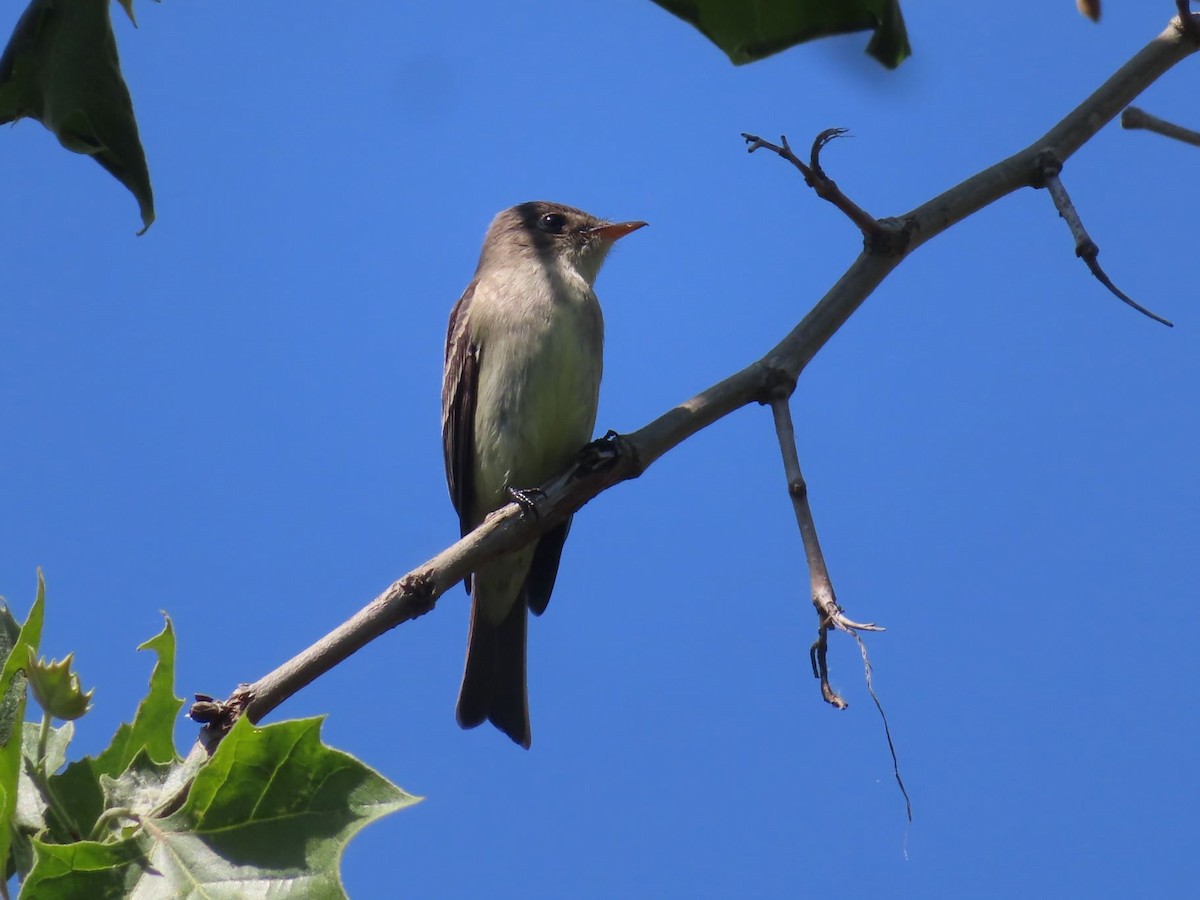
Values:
[(61, 67), (268, 815)]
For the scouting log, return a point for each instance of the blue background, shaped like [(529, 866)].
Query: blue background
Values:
[(235, 418)]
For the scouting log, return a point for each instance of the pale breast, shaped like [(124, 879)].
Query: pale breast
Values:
[(540, 364)]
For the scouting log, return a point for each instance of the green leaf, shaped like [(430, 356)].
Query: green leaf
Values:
[(749, 30), (61, 68), (269, 815), (153, 725), (32, 798), (56, 746), (12, 712), (86, 870), (10, 630), (152, 730), (146, 786)]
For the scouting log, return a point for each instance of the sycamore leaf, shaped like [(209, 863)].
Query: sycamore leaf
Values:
[(148, 788), (749, 30), (153, 730), (32, 799), (268, 815), (86, 870), (61, 68), (56, 745), (12, 713), (153, 726), (10, 630)]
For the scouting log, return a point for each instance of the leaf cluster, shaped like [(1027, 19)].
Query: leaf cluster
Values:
[(270, 812)]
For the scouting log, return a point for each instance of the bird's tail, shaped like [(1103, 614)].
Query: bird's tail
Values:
[(493, 685)]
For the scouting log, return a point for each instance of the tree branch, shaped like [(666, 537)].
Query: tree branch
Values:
[(1085, 248), (1134, 118), (814, 176), (829, 613), (505, 530)]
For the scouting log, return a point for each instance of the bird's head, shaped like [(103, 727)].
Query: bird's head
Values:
[(559, 235)]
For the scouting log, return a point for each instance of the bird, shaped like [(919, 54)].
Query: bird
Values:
[(520, 388)]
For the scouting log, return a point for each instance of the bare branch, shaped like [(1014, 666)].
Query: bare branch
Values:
[(1133, 118), (1085, 248), (829, 613), (508, 528), (814, 176)]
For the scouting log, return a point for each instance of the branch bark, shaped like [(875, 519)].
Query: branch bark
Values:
[(508, 528)]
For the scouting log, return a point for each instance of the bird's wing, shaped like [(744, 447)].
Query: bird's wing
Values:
[(460, 382), (539, 583)]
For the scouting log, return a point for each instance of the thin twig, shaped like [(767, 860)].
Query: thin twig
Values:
[(508, 529), (814, 176), (1085, 247), (829, 613), (1134, 118)]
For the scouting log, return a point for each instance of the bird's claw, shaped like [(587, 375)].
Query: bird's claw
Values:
[(601, 453), (527, 499)]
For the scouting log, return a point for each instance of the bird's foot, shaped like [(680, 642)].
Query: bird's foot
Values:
[(601, 453), (527, 499)]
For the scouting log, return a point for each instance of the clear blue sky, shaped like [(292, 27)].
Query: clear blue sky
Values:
[(235, 418)]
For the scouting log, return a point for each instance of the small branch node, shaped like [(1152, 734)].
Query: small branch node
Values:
[(218, 716), (419, 586), (1048, 166), (778, 384), (891, 238)]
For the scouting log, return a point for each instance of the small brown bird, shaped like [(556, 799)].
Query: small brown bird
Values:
[(524, 354)]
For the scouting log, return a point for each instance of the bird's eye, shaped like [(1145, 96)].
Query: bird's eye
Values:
[(553, 223)]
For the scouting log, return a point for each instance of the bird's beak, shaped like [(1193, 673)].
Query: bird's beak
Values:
[(613, 231)]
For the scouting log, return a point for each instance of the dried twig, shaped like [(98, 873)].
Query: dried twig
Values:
[(1133, 118), (829, 613), (1085, 247), (814, 176)]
